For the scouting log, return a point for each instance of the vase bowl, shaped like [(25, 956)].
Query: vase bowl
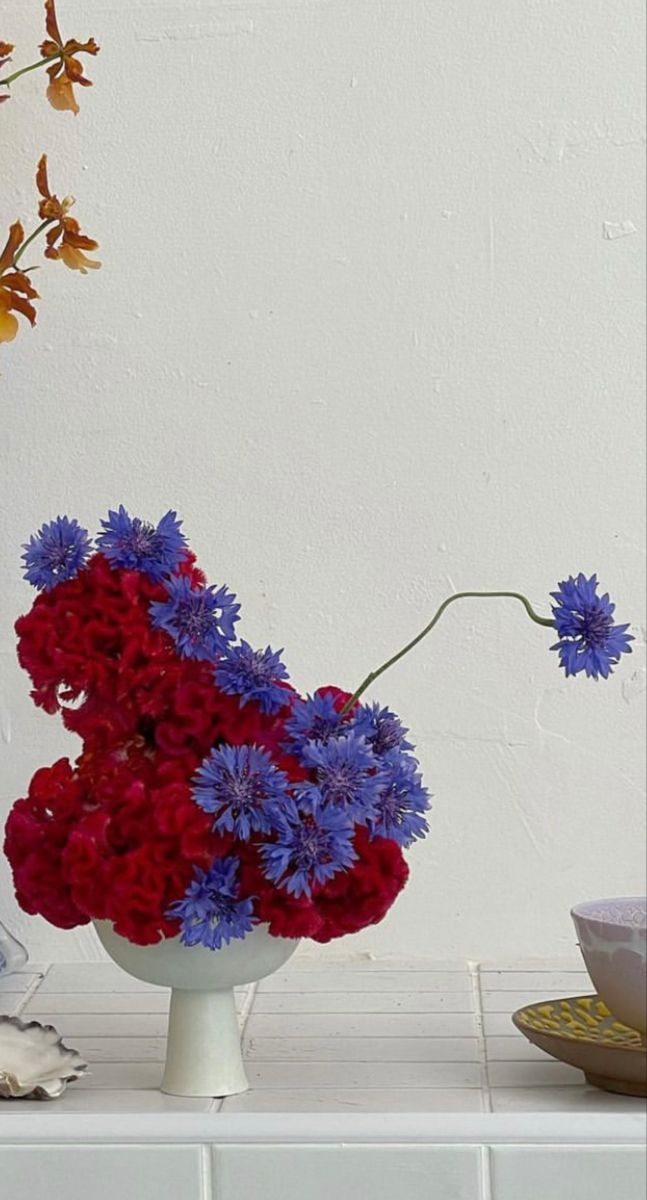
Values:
[(203, 1056)]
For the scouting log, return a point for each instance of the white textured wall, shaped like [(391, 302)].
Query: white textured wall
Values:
[(367, 320)]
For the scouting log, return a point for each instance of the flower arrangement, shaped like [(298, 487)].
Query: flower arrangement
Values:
[(209, 795), (63, 237)]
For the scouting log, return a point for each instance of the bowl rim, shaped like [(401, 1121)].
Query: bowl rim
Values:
[(520, 1024), (586, 910)]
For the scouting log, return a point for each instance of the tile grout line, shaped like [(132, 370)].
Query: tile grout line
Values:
[(207, 1173), (474, 974), (486, 1173), (32, 989)]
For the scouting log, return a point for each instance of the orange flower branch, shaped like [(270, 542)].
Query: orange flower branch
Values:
[(60, 58), (64, 241)]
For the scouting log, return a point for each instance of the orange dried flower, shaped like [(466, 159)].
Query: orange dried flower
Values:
[(68, 69), (16, 290), (5, 56), (64, 239)]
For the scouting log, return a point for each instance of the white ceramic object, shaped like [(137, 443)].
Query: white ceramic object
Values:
[(613, 939), (13, 955), (203, 1053), (34, 1063)]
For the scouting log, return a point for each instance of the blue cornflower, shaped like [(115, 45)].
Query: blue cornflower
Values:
[(253, 675), (589, 640), (56, 552), (382, 729), (242, 788), (345, 774), (200, 620), (314, 719), (401, 802), (211, 912), (135, 545), (314, 842)]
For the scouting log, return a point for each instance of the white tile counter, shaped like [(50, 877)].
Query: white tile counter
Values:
[(369, 1079)]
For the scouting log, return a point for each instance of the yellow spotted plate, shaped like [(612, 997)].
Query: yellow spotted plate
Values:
[(582, 1032)]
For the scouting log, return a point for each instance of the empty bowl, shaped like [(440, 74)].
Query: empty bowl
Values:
[(613, 939)]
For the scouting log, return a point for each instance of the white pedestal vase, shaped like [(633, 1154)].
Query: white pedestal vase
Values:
[(203, 1054)]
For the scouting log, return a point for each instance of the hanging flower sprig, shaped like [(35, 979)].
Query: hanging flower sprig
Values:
[(60, 58), (64, 238), (64, 241), (16, 291), (589, 639)]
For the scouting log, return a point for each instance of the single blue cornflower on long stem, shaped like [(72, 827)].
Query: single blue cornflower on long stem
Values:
[(589, 640)]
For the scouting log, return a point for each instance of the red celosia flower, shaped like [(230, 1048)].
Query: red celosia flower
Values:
[(118, 835)]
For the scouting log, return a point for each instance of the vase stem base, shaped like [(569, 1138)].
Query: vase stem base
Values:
[(203, 1056)]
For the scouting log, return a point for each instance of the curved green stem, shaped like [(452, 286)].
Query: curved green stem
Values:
[(27, 242), (427, 629), (42, 62)]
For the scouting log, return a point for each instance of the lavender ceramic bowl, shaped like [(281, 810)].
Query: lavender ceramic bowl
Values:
[(613, 940)]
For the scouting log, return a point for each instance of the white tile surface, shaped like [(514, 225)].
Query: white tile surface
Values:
[(111, 1025), (48, 1003), (399, 1025), (133, 1049), (553, 983), (102, 1103), (101, 1172), (364, 1049), (563, 1099), (568, 1173), (354, 980), (359, 1100), (547, 1073), (104, 1002), (499, 1024), (11, 1003), (363, 1074), (502, 1001), (362, 1038), (125, 1076), (514, 1048), (363, 1002), (309, 1173), (18, 981), (85, 977)]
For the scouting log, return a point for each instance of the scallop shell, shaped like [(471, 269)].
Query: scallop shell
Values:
[(34, 1063)]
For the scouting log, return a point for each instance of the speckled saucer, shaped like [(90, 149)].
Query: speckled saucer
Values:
[(582, 1032)]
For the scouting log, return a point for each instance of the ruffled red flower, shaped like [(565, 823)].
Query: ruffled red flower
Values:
[(118, 835)]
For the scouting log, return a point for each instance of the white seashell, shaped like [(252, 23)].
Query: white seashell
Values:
[(34, 1063)]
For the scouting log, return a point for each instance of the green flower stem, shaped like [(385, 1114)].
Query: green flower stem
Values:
[(42, 62), (427, 629), (27, 242)]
